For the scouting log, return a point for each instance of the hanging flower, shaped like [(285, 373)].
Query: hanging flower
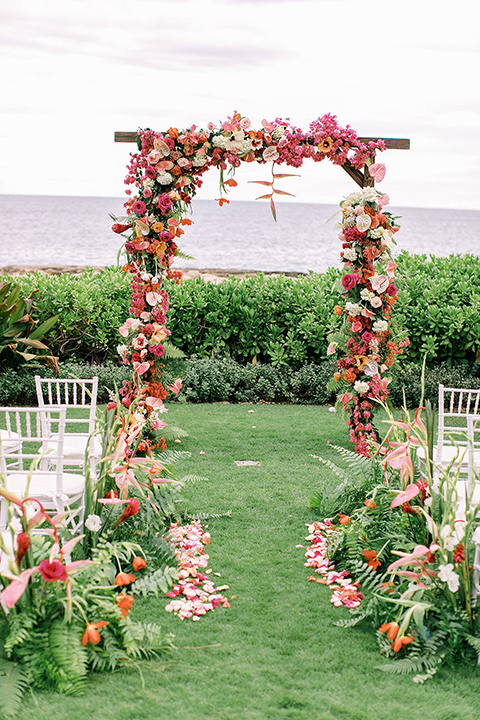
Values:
[(91, 634)]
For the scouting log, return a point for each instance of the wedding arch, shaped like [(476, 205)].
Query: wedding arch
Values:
[(162, 179)]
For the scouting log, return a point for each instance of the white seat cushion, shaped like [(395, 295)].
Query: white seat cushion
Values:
[(44, 484), (74, 447), (451, 452), (9, 441)]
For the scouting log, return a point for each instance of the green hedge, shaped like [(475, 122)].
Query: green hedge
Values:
[(224, 380), (280, 321)]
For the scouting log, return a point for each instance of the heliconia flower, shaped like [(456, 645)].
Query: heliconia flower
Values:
[(409, 558), (119, 228), (139, 563), (23, 543), (133, 508), (14, 591), (91, 634)]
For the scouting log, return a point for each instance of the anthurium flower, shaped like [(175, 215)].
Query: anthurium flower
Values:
[(408, 494), (91, 634)]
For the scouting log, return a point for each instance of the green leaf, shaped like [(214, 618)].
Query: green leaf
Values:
[(13, 684)]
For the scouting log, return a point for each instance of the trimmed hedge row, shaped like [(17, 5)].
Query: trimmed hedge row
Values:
[(279, 321), (217, 380)]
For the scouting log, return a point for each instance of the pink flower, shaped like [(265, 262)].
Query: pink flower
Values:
[(357, 326), (150, 172), (139, 207), (376, 302), (349, 281), (52, 571), (391, 290)]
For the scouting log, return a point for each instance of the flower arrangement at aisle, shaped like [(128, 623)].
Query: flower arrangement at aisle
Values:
[(163, 177), (405, 553), (368, 295), (61, 619)]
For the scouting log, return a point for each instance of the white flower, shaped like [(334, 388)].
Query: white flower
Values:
[(350, 254), (366, 294), (164, 178), (371, 368), (459, 531), (369, 194), (352, 199), (379, 326), (93, 523), (446, 532), (447, 574), (476, 536), (148, 182), (363, 222), (427, 502), (278, 132), (219, 141), (361, 387), (16, 524), (199, 159), (122, 349), (376, 232), (376, 302), (353, 309)]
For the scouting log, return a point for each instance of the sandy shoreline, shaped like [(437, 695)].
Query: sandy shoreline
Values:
[(209, 274)]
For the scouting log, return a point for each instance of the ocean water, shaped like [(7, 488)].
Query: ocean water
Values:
[(51, 230)]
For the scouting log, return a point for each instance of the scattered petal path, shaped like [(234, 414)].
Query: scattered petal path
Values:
[(194, 594), (344, 591)]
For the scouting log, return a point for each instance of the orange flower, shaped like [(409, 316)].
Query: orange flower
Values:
[(325, 145), (338, 310), (349, 376), (343, 519), (124, 603), (370, 503), (173, 132), (398, 644), (222, 201), (124, 579), (139, 563), (388, 587), (337, 376), (91, 634), (372, 558), (392, 628)]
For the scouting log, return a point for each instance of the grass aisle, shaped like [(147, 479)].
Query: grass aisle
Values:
[(276, 653)]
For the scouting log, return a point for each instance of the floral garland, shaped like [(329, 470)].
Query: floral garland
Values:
[(369, 292), (162, 179)]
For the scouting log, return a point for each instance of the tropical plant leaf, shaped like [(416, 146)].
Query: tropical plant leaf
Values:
[(13, 684)]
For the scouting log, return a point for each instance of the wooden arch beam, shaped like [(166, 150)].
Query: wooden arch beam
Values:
[(358, 176)]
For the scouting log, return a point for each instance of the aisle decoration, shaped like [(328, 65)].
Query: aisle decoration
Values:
[(163, 177), (404, 553), (194, 594)]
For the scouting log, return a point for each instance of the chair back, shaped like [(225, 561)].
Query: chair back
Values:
[(454, 406), (473, 424), (25, 432), (71, 394)]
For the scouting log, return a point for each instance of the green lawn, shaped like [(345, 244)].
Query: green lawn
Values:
[(276, 653)]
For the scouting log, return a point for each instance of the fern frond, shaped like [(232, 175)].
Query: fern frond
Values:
[(334, 468), (68, 657), (172, 352), (170, 457), (13, 684), (192, 479), (203, 516), (360, 464), (171, 431), (160, 580), (351, 621)]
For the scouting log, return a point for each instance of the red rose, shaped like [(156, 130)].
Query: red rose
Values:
[(349, 281), (52, 571)]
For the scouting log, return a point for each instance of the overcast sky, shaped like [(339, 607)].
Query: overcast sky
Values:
[(74, 71)]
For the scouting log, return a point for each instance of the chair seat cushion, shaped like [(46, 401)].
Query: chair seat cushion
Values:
[(10, 441), (451, 452), (43, 484), (74, 447)]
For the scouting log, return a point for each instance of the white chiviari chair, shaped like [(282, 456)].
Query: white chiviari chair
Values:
[(454, 406), (37, 469), (78, 397), (473, 492)]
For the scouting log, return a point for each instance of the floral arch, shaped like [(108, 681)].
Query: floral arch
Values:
[(163, 177)]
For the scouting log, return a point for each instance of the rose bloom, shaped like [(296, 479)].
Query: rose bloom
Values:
[(349, 281), (338, 310), (139, 207), (376, 302), (53, 571)]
